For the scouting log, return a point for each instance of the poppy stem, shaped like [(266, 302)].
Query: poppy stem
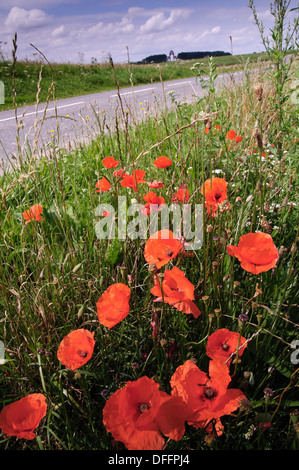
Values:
[(41, 373)]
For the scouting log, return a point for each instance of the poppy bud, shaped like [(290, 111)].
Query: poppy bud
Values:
[(249, 376), (243, 318)]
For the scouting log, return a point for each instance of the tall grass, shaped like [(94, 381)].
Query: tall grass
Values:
[(53, 272)]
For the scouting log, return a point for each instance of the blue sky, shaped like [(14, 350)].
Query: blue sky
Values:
[(78, 30)]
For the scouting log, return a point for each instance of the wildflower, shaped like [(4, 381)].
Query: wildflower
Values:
[(106, 213), (207, 395), (110, 162), (265, 425), (256, 252), (231, 135), (154, 201), (113, 305), (131, 181), (268, 393), (222, 343), (162, 162), (22, 417), (215, 194), (119, 172), (76, 348), (146, 209), (139, 413), (182, 195), (161, 247), (34, 213), (216, 128), (103, 185), (152, 198), (177, 291), (156, 184)]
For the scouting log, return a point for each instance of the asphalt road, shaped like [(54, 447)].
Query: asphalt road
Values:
[(71, 121)]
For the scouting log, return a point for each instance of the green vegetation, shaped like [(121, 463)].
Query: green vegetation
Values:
[(75, 80)]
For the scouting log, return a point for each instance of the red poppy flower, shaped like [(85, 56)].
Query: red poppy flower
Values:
[(138, 413), (177, 291), (153, 201), (215, 194), (34, 213), (182, 195), (216, 128), (110, 162), (106, 213), (22, 417), (131, 181), (145, 210), (161, 247), (76, 348), (156, 184), (113, 305), (256, 252), (222, 343), (238, 138), (119, 172), (231, 135), (103, 185), (162, 162), (207, 395)]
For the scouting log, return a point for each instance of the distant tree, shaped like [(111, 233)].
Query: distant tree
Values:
[(156, 59), (201, 55)]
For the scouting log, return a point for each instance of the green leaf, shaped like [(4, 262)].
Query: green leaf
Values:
[(113, 252)]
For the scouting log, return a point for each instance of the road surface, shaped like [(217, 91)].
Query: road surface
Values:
[(71, 121)]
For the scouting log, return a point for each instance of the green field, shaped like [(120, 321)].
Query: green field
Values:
[(75, 80)]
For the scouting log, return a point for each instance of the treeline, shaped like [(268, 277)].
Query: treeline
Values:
[(201, 55), (158, 58)]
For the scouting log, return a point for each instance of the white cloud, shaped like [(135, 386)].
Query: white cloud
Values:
[(122, 27), (159, 22), (58, 31), (136, 11), (19, 18), (215, 30)]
